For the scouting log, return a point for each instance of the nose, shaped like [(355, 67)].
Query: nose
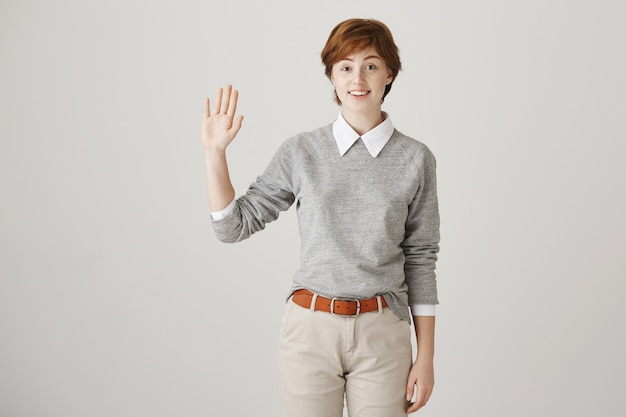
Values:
[(358, 77)]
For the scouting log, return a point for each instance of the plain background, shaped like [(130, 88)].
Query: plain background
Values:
[(116, 299)]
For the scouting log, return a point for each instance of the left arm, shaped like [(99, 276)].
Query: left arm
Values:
[(421, 247), (421, 376)]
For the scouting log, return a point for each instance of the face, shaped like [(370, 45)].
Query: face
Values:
[(360, 81)]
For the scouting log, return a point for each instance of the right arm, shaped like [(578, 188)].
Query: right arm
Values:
[(219, 128), (264, 199)]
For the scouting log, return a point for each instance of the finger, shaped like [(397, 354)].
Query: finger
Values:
[(218, 101), (420, 401), (428, 392), (413, 408), (226, 99), (237, 125), (207, 107), (420, 398), (232, 105), (409, 391)]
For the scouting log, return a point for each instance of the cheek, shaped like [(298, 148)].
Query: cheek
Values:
[(337, 82)]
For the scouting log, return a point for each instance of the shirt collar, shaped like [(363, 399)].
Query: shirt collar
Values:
[(374, 140)]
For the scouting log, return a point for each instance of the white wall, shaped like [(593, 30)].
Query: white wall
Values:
[(117, 300)]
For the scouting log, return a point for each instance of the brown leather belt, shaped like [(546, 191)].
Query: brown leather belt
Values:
[(338, 306)]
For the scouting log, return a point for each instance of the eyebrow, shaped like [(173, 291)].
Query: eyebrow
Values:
[(366, 58)]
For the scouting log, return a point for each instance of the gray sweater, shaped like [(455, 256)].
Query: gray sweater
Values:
[(368, 226)]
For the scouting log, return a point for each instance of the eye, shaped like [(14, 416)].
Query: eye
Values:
[(344, 69), (370, 67)]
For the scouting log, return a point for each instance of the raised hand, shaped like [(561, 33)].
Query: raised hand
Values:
[(219, 126)]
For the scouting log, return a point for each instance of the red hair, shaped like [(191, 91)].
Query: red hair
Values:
[(354, 35)]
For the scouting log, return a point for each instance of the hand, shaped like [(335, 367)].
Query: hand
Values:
[(219, 126), (422, 378)]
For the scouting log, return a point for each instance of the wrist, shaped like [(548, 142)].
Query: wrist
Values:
[(214, 156), (425, 355), (214, 150), (424, 358)]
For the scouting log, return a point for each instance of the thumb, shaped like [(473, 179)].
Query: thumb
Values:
[(237, 124), (409, 391)]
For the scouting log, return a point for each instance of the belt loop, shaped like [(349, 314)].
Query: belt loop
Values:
[(380, 303), (313, 301)]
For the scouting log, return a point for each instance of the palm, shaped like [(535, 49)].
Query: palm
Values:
[(219, 126)]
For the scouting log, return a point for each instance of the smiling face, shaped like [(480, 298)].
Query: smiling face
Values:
[(360, 80)]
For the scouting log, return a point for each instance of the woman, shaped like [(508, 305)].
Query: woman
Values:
[(367, 209)]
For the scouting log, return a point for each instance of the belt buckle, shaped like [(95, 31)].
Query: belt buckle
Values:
[(332, 307)]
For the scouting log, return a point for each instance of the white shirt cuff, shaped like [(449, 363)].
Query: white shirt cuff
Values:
[(220, 215), (423, 310)]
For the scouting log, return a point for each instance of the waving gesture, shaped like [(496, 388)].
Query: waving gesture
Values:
[(219, 126)]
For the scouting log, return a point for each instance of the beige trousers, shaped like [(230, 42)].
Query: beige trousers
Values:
[(324, 357)]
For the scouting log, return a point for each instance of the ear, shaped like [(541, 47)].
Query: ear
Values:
[(389, 78)]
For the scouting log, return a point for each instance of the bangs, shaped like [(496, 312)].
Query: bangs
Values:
[(345, 49)]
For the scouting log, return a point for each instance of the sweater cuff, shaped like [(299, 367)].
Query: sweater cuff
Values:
[(423, 309)]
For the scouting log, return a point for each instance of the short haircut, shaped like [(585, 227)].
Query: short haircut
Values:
[(354, 35)]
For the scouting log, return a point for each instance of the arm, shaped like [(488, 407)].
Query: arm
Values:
[(421, 376), (421, 248), (219, 128), (264, 199)]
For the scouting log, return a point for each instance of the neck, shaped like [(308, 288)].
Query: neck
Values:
[(363, 123)]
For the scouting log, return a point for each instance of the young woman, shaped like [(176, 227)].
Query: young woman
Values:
[(367, 208)]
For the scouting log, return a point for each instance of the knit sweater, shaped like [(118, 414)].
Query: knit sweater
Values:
[(368, 226)]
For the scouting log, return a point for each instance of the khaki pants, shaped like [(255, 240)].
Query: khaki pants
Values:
[(324, 357)]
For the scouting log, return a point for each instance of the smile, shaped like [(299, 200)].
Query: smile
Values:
[(358, 93)]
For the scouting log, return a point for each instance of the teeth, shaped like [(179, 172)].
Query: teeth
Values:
[(358, 93)]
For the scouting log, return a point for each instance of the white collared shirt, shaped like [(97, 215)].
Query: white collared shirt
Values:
[(374, 140)]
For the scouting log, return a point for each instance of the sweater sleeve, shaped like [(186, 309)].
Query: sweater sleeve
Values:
[(262, 203), (421, 242)]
